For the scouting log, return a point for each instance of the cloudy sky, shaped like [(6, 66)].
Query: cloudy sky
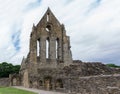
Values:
[(93, 27)]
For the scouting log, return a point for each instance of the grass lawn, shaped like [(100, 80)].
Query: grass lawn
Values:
[(10, 90)]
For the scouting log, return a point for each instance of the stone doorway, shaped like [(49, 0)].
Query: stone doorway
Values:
[(59, 83), (47, 83)]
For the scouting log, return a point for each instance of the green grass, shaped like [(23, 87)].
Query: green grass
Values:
[(10, 90)]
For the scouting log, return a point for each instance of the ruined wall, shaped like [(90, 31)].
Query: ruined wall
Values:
[(4, 81), (78, 77), (102, 84), (58, 71), (49, 44), (15, 79)]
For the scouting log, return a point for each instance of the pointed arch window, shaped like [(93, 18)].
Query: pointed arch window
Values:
[(47, 48), (38, 47), (57, 48)]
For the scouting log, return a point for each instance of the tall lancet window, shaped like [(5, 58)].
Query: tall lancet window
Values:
[(47, 48), (48, 17), (38, 47), (57, 48)]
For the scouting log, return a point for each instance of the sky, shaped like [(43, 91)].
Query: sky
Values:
[(93, 27)]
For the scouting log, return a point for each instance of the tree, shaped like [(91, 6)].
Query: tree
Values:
[(113, 65), (8, 68)]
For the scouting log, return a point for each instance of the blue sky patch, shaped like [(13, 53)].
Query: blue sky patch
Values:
[(33, 5), (93, 6), (16, 40)]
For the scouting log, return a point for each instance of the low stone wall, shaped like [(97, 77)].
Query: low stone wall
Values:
[(4, 81), (102, 84)]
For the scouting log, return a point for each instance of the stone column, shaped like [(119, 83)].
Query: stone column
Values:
[(52, 48), (53, 84), (43, 50), (60, 49), (67, 55), (33, 50)]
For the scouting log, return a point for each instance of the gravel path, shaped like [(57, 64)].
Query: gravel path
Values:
[(37, 90)]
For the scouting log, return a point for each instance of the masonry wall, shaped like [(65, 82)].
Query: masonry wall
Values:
[(102, 84), (4, 81), (49, 44)]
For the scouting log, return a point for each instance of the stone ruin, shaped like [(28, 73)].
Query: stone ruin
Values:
[(49, 64)]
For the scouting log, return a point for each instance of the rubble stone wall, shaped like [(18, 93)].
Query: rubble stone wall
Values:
[(102, 84), (4, 81)]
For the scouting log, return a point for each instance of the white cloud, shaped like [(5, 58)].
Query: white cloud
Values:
[(92, 26)]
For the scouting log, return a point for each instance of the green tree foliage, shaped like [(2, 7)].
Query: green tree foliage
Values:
[(8, 68), (113, 65)]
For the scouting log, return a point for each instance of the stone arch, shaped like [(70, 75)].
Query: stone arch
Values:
[(40, 82), (15, 80), (59, 83), (48, 83)]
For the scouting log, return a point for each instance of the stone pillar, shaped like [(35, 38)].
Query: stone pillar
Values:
[(26, 79), (52, 48), (10, 77), (60, 49), (53, 84), (65, 49), (43, 50), (67, 52), (33, 50)]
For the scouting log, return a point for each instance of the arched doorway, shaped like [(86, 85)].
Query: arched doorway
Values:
[(59, 83), (47, 83)]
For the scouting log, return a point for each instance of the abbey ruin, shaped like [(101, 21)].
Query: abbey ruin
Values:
[(49, 64)]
